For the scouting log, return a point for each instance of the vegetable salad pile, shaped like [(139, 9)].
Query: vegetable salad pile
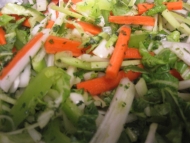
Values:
[(95, 71)]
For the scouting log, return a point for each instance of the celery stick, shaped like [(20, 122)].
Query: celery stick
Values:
[(186, 6), (181, 18), (67, 11), (170, 18), (99, 65), (160, 23), (111, 40), (184, 28), (75, 62)]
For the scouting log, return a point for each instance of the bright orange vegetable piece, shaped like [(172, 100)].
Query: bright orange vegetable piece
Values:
[(118, 53), (26, 23), (143, 7), (102, 84), (56, 44), (50, 24), (88, 27), (132, 53), (2, 36), (137, 20)]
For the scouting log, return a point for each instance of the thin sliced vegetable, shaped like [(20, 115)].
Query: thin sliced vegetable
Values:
[(132, 53), (140, 20), (143, 7), (118, 53), (50, 24), (88, 27), (56, 44), (102, 84)]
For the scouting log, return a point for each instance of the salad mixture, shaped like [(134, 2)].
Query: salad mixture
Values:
[(95, 71)]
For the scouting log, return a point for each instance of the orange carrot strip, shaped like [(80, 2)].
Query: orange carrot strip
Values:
[(2, 37), (118, 53), (56, 44), (140, 20), (132, 53), (26, 23), (102, 84), (176, 74), (99, 85), (88, 27), (50, 24), (131, 75), (20, 54), (68, 25), (143, 7), (174, 5)]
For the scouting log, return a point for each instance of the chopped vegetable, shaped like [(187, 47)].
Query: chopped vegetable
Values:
[(140, 20), (118, 53)]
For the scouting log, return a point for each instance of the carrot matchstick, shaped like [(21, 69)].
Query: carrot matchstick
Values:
[(55, 44), (118, 53), (137, 20), (87, 27)]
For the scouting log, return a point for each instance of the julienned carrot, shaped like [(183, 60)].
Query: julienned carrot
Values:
[(99, 85), (88, 27), (50, 24), (132, 53), (26, 23), (174, 5), (118, 53), (20, 54), (137, 20), (55, 44), (2, 37), (143, 7), (102, 84)]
